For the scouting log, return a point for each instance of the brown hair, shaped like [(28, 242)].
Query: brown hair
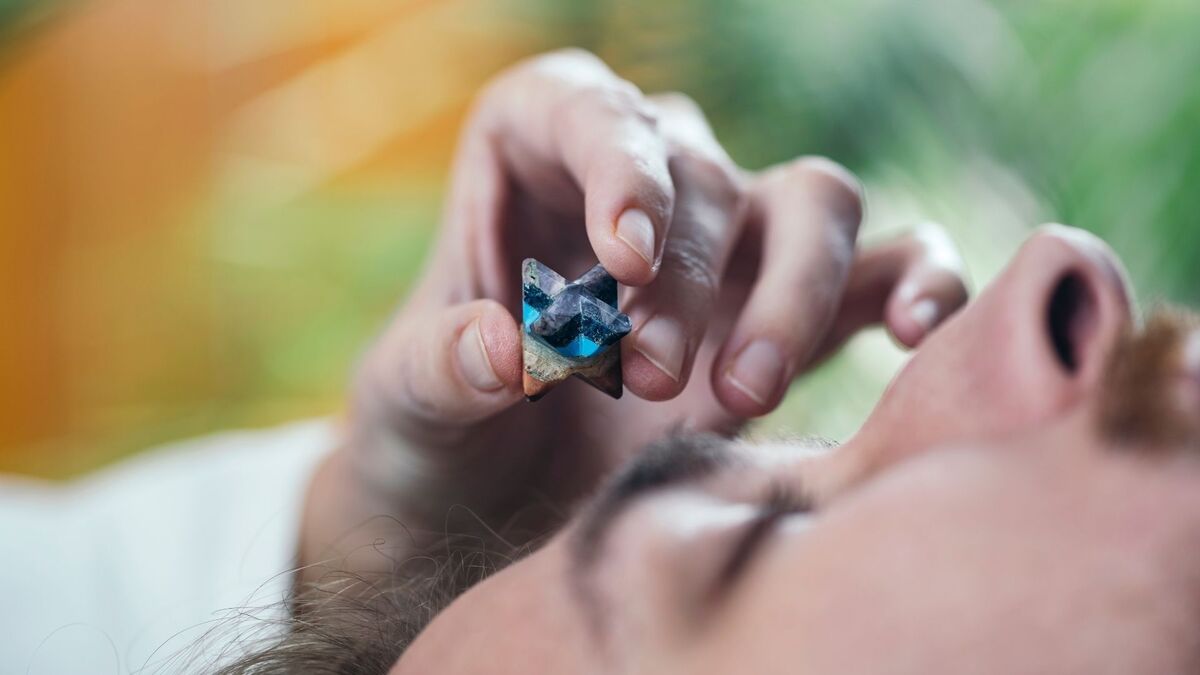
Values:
[(1145, 396), (351, 623)]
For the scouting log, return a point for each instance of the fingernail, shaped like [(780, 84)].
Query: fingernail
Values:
[(635, 229), (757, 371), (661, 341), (473, 359), (924, 313)]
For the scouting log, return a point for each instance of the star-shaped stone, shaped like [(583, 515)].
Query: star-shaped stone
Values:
[(570, 328)]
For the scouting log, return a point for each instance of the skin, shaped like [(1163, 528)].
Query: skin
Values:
[(978, 523), (556, 154)]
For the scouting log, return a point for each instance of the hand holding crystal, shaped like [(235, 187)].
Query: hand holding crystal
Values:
[(734, 281)]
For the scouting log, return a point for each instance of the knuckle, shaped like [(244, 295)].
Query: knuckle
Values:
[(566, 63), (639, 165), (839, 186), (928, 245), (820, 290), (928, 233), (615, 100), (385, 381), (676, 102), (715, 176), (570, 55), (657, 191), (934, 244), (915, 242), (690, 262), (569, 71), (417, 401), (836, 179)]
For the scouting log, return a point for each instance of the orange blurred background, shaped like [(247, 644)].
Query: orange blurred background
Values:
[(161, 161), (208, 207)]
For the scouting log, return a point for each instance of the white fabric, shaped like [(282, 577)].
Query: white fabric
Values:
[(125, 571)]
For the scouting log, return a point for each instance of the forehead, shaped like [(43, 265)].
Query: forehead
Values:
[(517, 617)]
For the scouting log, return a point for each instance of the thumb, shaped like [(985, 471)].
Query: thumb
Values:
[(454, 367)]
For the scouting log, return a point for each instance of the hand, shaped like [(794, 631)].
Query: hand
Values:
[(737, 282)]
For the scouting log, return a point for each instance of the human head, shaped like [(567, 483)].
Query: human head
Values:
[(1023, 499)]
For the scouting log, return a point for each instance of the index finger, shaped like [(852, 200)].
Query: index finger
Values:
[(564, 126)]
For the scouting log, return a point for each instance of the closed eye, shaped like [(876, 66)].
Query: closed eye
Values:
[(779, 503)]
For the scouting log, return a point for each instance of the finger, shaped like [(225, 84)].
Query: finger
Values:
[(452, 367), (809, 212), (911, 284), (931, 287), (671, 315), (567, 115)]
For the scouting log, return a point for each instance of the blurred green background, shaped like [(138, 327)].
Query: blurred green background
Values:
[(208, 207)]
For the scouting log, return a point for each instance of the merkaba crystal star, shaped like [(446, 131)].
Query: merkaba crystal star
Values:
[(570, 328)]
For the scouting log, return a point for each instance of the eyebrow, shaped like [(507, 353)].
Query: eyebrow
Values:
[(677, 459), (671, 461)]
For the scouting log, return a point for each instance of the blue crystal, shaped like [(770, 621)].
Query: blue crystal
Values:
[(577, 319)]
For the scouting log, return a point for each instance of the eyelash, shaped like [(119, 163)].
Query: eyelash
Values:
[(778, 502), (784, 499)]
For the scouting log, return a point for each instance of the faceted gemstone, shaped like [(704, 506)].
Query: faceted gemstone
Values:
[(569, 327)]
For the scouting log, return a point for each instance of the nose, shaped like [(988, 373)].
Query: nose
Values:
[(1078, 298), (1033, 346)]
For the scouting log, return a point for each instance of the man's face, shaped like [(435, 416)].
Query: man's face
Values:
[(1008, 508)]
